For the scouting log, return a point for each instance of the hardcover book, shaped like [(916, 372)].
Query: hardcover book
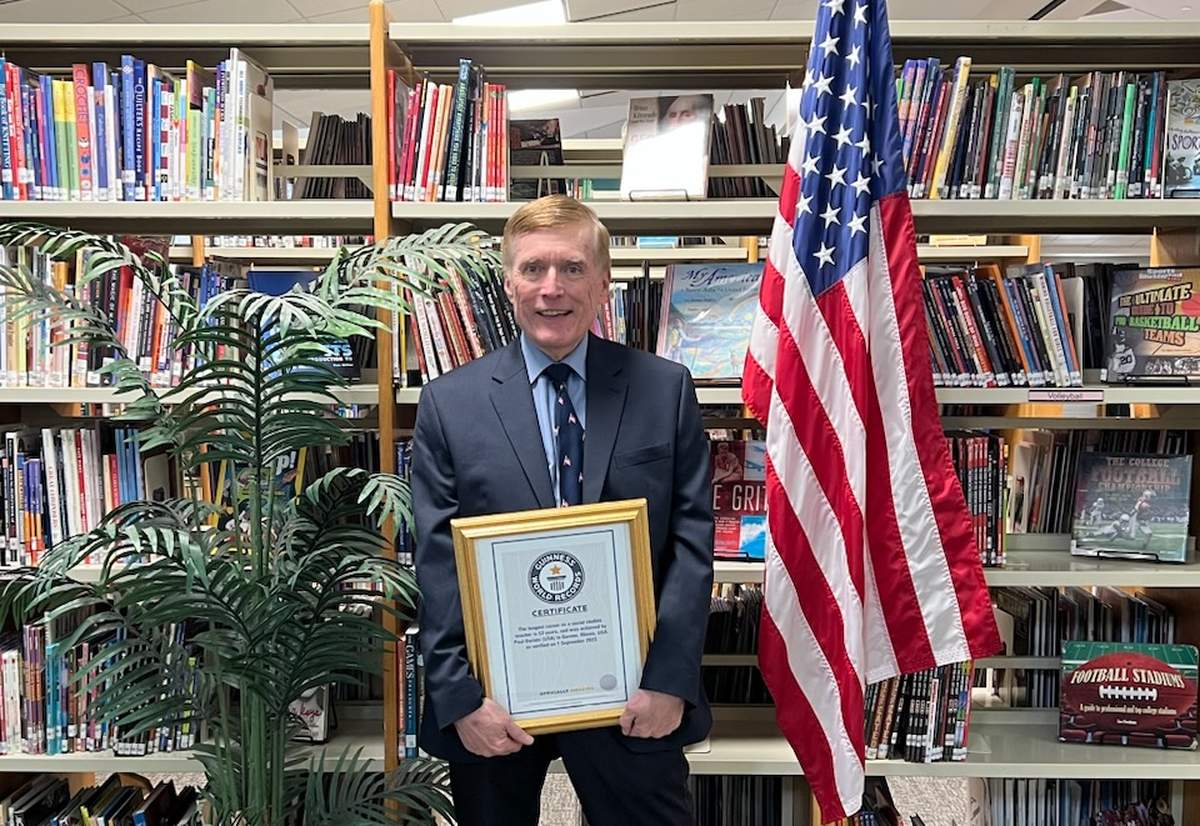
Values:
[(535, 143), (1181, 166), (707, 311), (1128, 694), (666, 148), (1132, 506), (1154, 332), (739, 490)]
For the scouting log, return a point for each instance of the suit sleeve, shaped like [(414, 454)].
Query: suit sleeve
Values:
[(673, 662), (450, 687)]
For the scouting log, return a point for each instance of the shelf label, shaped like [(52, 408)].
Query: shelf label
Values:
[(1066, 394)]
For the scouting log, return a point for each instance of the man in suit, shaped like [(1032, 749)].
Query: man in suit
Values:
[(489, 439)]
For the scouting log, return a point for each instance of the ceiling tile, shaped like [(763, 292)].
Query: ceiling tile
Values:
[(314, 8), (401, 11), (459, 8), (56, 11), (139, 6), (301, 103), (125, 18), (229, 11), (794, 10), (665, 11), (612, 9), (719, 9)]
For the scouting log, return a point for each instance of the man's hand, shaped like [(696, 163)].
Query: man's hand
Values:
[(651, 714), (489, 731)]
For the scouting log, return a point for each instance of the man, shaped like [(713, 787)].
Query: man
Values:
[(485, 442)]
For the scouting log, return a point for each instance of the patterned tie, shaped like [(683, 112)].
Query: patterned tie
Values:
[(569, 434)]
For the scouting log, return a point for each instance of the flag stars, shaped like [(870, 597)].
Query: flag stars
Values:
[(850, 96), (817, 124), (830, 215), (825, 254), (829, 44), (835, 7), (855, 56), (864, 145), (858, 224), (836, 176), (860, 14), (843, 136), (877, 165), (822, 85), (862, 184), (804, 204), (810, 165)]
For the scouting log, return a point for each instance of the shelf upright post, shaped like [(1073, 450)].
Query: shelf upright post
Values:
[(385, 55)]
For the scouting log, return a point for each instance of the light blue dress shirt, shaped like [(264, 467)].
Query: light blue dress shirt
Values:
[(544, 395)]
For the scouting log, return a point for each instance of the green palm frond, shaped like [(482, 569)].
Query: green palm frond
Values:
[(346, 797)]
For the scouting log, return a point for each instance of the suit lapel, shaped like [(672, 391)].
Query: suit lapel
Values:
[(513, 400), (606, 389)]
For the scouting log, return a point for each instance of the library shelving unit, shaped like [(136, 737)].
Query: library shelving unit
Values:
[(753, 55), (297, 57)]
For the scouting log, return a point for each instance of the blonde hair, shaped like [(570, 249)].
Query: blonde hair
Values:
[(554, 212)]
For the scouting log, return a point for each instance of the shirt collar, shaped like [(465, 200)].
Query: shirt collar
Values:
[(536, 361)]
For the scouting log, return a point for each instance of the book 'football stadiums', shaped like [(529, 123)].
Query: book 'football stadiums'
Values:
[(1128, 694)]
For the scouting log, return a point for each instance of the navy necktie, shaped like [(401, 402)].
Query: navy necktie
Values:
[(568, 433)]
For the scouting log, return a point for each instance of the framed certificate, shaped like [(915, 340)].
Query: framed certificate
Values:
[(558, 606)]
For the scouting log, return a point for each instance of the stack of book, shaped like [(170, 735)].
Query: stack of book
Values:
[(48, 799), (448, 142), (1097, 136), (921, 717), (137, 132), (46, 698), (1055, 802), (30, 353), (993, 330), (981, 463)]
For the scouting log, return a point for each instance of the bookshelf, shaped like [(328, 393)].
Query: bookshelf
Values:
[(724, 55)]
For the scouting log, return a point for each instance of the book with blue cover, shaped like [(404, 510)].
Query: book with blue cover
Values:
[(707, 311)]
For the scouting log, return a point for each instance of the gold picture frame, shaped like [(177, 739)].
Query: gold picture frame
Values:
[(537, 654)]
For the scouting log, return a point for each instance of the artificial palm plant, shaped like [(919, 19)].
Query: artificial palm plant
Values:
[(281, 590)]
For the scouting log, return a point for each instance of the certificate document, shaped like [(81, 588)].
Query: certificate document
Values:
[(558, 603)]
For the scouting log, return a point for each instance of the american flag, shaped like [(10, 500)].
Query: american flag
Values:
[(872, 568)]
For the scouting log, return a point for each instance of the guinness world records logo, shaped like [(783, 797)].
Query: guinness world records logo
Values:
[(555, 577)]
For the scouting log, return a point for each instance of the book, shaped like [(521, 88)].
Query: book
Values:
[(1129, 694), (705, 318), (1154, 325), (1181, 162), (666, 148), (1132, 506), (739, 492)]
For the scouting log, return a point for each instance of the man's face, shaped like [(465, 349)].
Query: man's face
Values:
[(556, 287)]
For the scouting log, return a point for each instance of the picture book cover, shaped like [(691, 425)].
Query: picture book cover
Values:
[(707, 311), (739, 490), (1131, 506), (1128, 694), (1154, 332), (665, 151), (1181, 164), (535, 143), (339, 354)]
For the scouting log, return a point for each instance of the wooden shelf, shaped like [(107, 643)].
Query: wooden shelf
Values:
[(300, 55), (198, 217)]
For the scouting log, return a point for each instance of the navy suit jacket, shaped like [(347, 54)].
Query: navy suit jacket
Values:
[(477, 450)]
